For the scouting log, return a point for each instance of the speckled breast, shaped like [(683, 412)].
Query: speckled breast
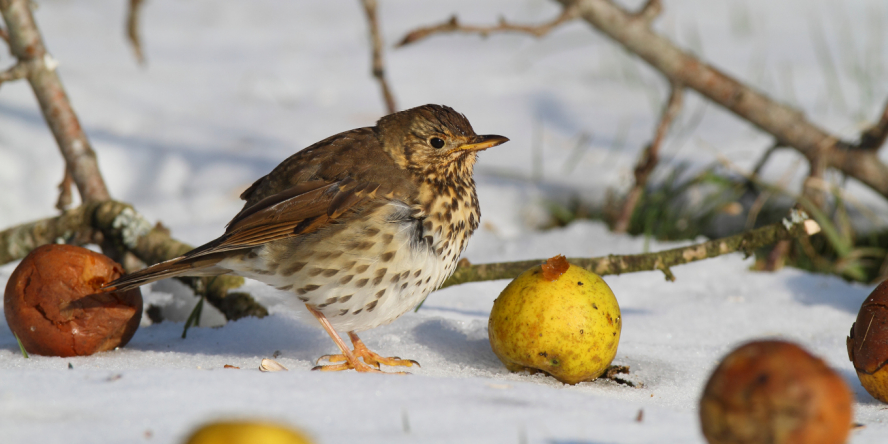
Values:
[(370, 271)]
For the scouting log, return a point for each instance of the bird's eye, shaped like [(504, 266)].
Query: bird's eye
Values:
[(436, 142)]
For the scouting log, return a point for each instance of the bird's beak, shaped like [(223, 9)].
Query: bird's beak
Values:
[(479, 143)]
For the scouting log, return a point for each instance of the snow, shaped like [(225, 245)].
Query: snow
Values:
[(233, 88)]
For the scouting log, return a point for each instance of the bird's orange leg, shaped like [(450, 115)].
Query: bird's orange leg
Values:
[(369, 357), (350, 360)]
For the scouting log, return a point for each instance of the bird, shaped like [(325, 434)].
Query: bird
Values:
[(359, 227)]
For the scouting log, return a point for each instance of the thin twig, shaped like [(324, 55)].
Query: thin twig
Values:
[(745, 243), (15, 72), (765, 158), (874, 137), (786, 124), (117, 227), (27, 46), (132, 28), (789, 126), (376, 45), (756, 208), (4, 35), (453, 25), (650, 11), (816, 172), (649, 157), (65, 197), (752, 181)]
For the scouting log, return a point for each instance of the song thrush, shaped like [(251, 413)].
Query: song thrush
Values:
[(360, 226)]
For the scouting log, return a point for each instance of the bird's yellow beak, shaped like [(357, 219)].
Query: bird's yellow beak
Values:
[(479, 143)]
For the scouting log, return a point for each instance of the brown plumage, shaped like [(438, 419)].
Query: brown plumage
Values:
[(360, 226)]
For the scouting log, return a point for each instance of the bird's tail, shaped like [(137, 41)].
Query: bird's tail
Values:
[(180, 266)]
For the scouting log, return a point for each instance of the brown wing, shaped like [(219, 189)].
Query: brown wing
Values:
[(355, 154), (347, 154), (293, 212)]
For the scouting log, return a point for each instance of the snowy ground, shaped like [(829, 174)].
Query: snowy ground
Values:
[(232, 88)]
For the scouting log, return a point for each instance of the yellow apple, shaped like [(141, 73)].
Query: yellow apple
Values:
[(566, 323)]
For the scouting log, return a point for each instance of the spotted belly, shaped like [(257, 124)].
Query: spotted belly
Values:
[(361, 276)]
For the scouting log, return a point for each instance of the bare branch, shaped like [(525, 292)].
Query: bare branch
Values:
[(650, 11), (4, 35), (27, 45), (787, 125), (65, 197), (117, 223), (115, 226), (757, 169), (15, 72), (777, 257), (650, 157), (874, 137), (132, 28), (746, 243), (378, 68), (816, 171), (452, 25)]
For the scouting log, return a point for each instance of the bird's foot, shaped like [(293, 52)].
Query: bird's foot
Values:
[(352, 360), (370, 358), (362, 352), (357, 365)]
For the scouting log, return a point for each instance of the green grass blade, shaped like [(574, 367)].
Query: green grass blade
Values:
[(21, 346)]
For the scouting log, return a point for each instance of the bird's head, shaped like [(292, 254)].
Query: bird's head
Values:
[(433, 141)]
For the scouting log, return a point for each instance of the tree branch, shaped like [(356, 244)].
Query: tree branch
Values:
[(4, 35), (788, 125), (798, 225), (452, 25), (760, 164), (650, 157), (65, 198), (132, 28), (119, 224), (650, 11), (27, 46), (113, 225), (15, 72), (874, 137), (378, 68)]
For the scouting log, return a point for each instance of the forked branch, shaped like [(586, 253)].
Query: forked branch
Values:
[(39, 67), (117, 227), (786, 124), (453, 25), (15, 72), (650, 11)]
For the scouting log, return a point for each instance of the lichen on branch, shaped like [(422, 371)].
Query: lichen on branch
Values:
[(745, 243), (119, 224)]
